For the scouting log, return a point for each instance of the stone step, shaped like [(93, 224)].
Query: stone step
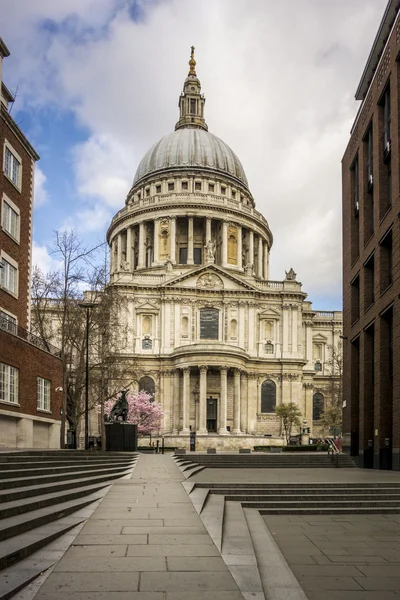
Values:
[(212, 516), (266, 492), (264, 504), (314, 497), (21, 523), (14, 549), (25, 492), (44, 479), (9, 510), (295, 486), (356, 510), (12, 470)]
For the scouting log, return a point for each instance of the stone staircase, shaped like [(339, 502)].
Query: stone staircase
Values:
[(288, 460), (43, 495), (232, 514)]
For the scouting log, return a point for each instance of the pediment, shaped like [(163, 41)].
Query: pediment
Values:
[(209, 277), (320, 338), (147, 306), (269, 313)]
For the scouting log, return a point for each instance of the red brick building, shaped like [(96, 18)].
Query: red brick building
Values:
[(29, 372), (371, 258)]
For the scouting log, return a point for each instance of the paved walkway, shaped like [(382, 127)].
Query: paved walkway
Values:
[(145, 541)]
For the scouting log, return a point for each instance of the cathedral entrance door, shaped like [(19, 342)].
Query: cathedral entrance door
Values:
[(212, 413)]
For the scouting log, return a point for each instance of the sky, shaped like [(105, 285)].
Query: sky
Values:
[(97, 82)]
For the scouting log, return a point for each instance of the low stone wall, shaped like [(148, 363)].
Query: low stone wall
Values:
[(220, 442)]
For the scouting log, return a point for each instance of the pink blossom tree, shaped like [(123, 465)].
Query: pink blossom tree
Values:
[(141, 410)]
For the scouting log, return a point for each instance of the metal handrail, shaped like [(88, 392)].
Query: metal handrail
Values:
[(27, 336)]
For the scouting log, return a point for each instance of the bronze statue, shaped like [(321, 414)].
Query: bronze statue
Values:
[(120, 408)]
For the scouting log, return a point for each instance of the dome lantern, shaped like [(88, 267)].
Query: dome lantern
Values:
[(191, 101)]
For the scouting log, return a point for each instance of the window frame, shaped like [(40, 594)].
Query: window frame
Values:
[(6, 201), (272, 386), (15, 158), (43, 394), (4, 257), (8, 321), (6, 382)]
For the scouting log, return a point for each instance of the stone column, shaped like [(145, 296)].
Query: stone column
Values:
[(239, 260), (190, 260), (252, 402), (129, 248), (260, 257), (156, 238), (251, 248), (141, 258), (176, 404), (236, 402), (223, 402), (208, 229), (119, 251), (243, 401), (186, 400), (203, 401), (224, 244), (172, 246), (266, 262)]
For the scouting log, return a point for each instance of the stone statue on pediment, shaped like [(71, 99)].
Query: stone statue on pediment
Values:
[(290, 275), (210, 248)]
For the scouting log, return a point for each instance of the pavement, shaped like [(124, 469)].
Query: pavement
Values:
[(146, 541)]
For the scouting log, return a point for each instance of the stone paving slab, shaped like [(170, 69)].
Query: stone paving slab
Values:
[(145, 541)]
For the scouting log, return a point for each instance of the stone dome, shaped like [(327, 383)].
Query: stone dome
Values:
[(191, 147)]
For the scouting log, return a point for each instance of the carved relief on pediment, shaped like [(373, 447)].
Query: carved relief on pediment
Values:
[(210, 281)]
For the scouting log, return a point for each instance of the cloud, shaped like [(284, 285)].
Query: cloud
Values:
[(41, 195), (42, 259), (279, 79)]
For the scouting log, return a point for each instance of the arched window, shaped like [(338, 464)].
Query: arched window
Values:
[(185, 326), (147, 385), (317, 406), (234, 328), (268, 396)]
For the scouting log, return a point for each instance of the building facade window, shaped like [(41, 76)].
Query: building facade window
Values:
[(268, 396), (10, 218), (197, 256), (386, 120), (197, 185), (8, 322), (12, 165), (171, 187), (269, 348), (355, 299), (43, 394), (8, 383), (185, 185), (211, 187), (158, 189), (355, 186), (209, 324), (146, 384), (369, 282), (318, 406), (9, 276), (386, 261)]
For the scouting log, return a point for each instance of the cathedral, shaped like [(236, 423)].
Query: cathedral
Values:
[(203, 328)]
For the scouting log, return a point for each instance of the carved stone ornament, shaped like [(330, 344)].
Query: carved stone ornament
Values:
[(290, 275), (209, 281)]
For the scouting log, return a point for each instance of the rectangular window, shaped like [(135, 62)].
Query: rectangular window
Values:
[(7, 322), (386, 120), (43, 393), (369, 282), (171, 187), (223, 190), (10, 219), (185, 185), (233, 194), (355, 207), (158, 189), (8, 383), (197, 185), (370, 159), (197, 256), (209, 324), (386, 261), (211, 187), (12, 166), (9, 277), (355, 299), (193, 107), (355, 187), (147, 191), (183, 256)]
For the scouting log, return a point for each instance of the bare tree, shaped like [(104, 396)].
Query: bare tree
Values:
[(57, 318), (331, 416)]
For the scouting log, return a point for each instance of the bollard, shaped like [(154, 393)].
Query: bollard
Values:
[(162, 445), (158, 447)]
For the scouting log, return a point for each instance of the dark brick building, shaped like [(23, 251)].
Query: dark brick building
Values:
[(371, 258), (29, 371)]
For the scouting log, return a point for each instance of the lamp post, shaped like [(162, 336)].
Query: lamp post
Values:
[(87, 306)]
